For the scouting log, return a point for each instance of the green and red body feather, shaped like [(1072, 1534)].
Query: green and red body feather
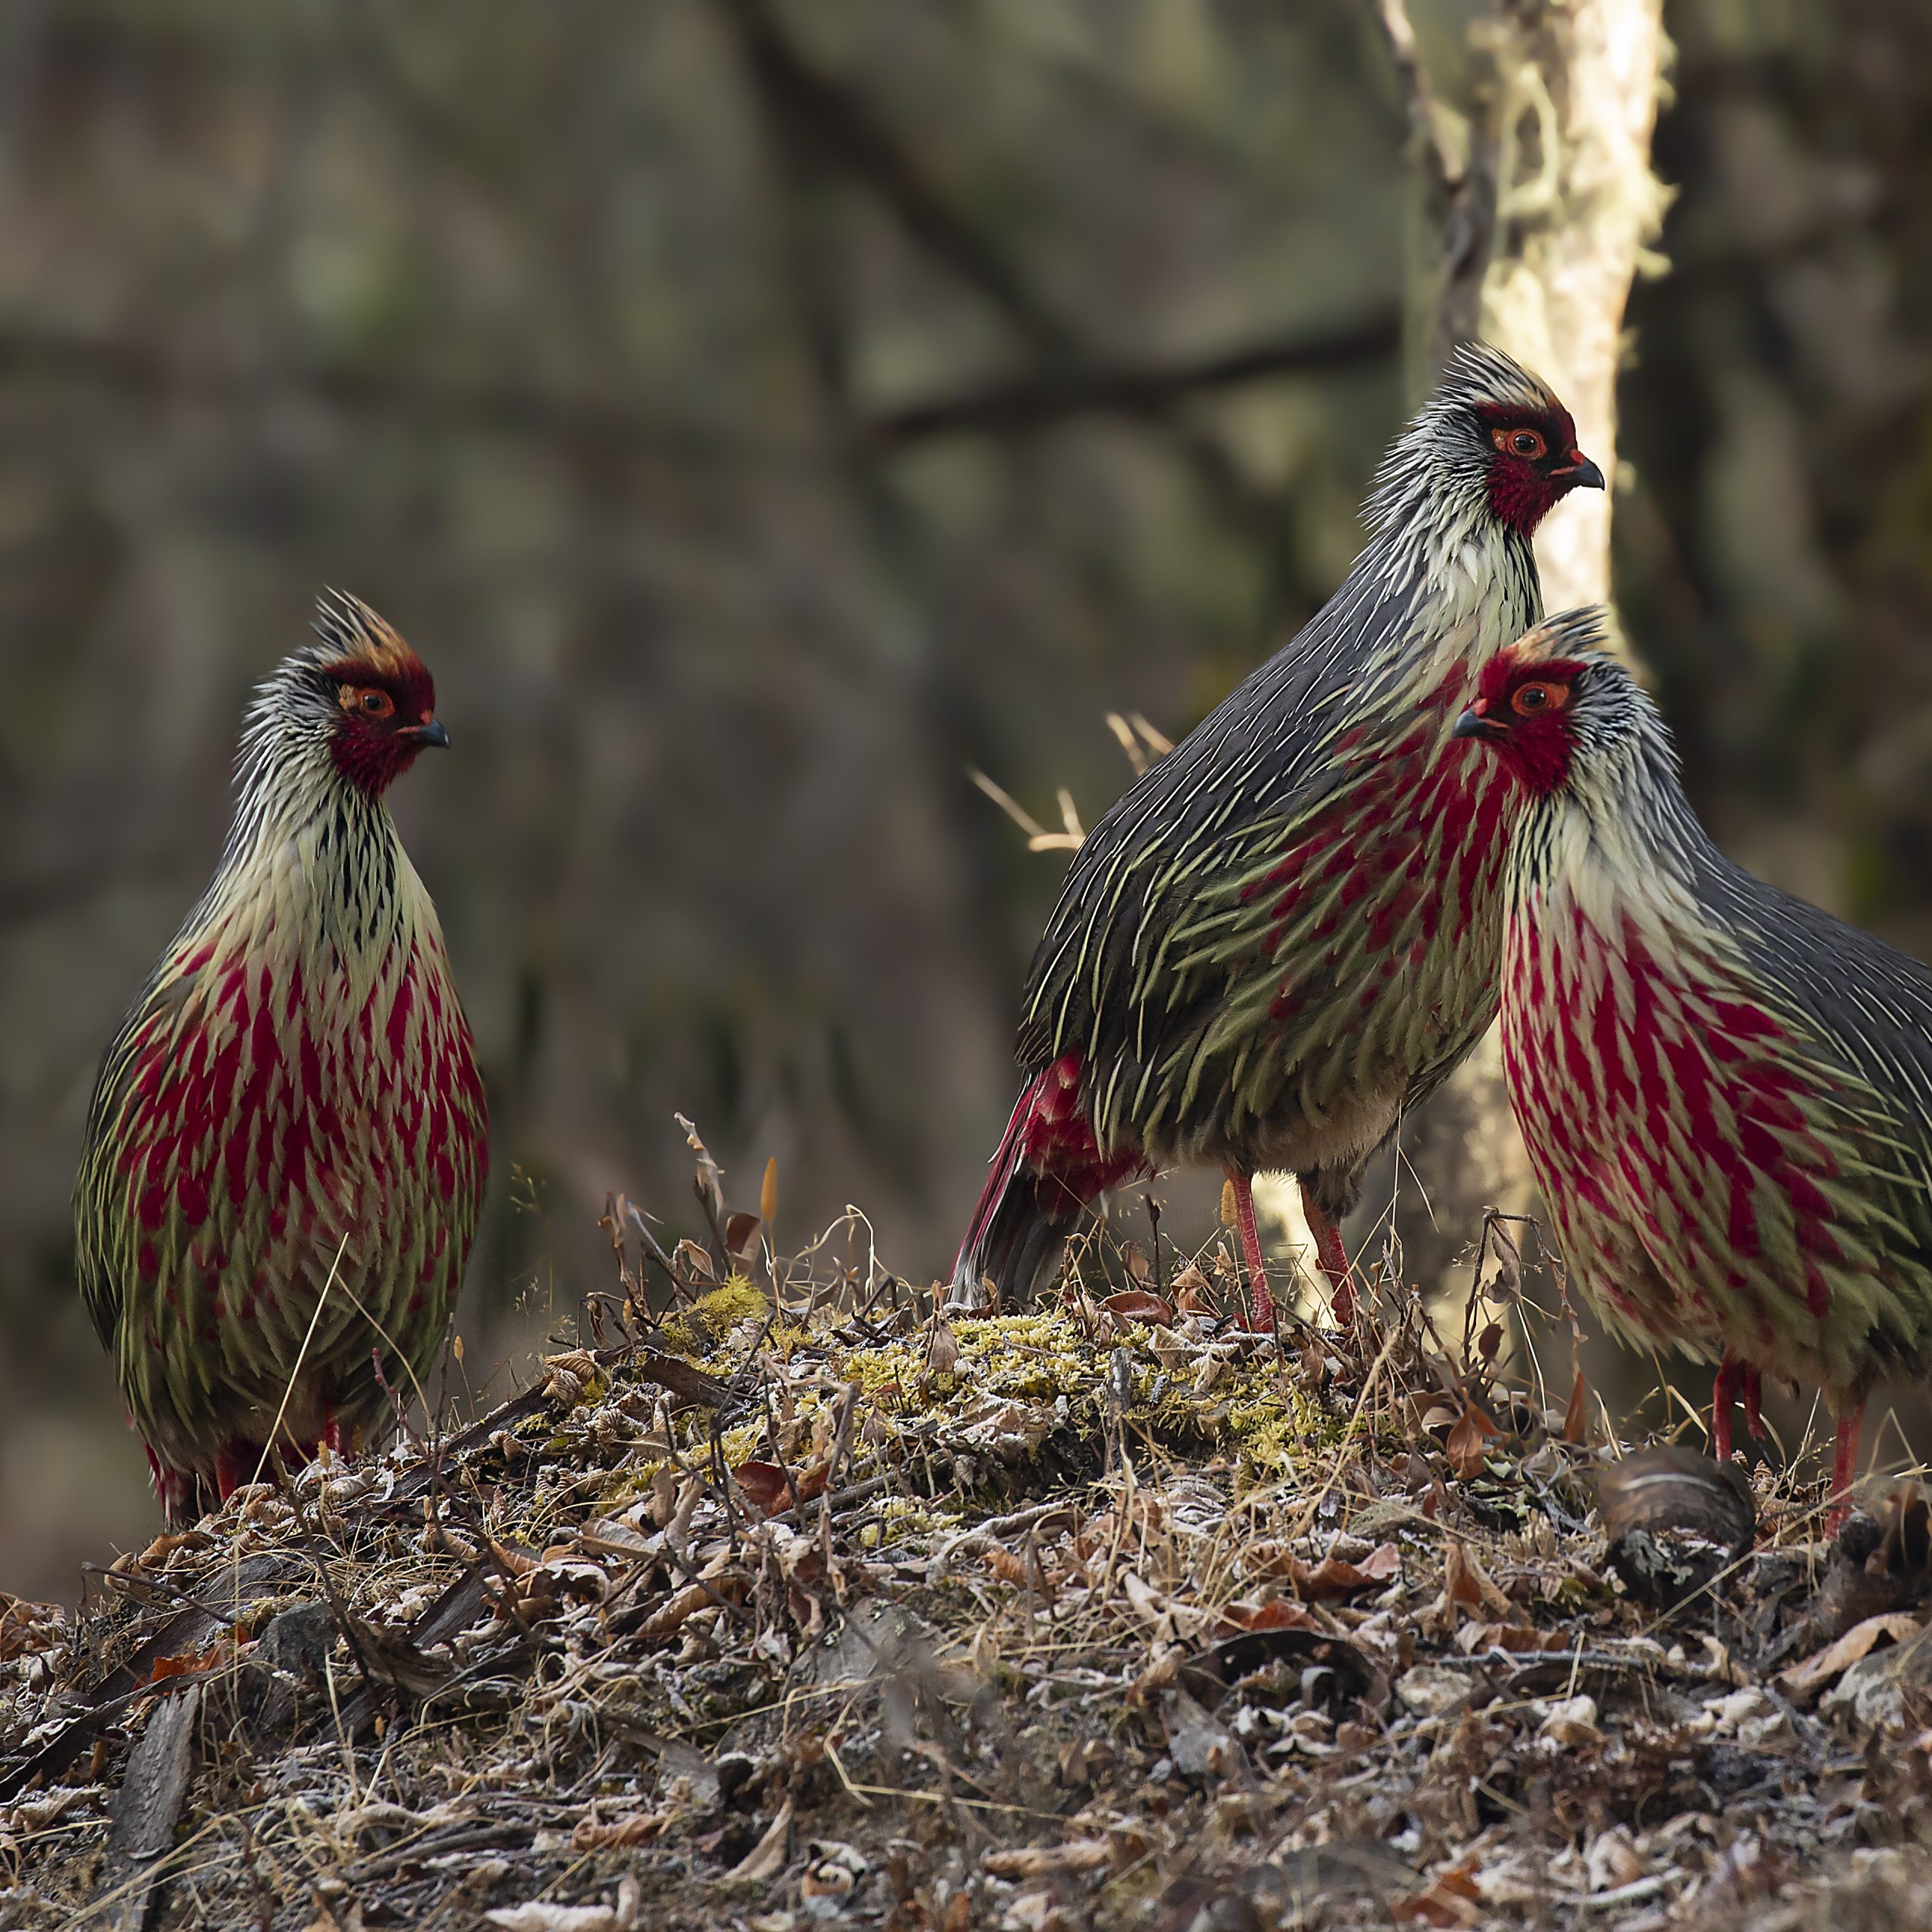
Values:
[(1285, 934), (1725, 1093), (287, 1142)]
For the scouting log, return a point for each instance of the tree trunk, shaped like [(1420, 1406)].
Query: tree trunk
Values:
[(1535, 207)]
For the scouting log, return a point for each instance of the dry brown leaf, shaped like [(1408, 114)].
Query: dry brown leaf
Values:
[(943, 1351), (767, 1193), (1277, 1613), (1465, 1447), (768, 1486), (540, 1915), (1137, 1306), (1513, 1637), (594, 1834), (1466, 1583), (1332, 1577), (1192, 1293), (570, 1374), (1451, 1899), (741, 1237), (1836, 1657), (187, 1663)]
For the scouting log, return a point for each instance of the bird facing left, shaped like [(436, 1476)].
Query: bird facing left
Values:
[(286, 1144)]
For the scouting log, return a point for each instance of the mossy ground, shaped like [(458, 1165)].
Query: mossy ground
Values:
[(808, 1605)]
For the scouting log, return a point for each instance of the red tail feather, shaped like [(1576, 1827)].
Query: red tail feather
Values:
[(1048, 1167)]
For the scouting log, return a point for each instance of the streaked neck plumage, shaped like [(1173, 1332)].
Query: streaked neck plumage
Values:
[(313, 863), (1617, 838)]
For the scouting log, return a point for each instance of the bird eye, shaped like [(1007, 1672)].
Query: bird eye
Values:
[(1527, 444), (1530, 699), (371, 703)]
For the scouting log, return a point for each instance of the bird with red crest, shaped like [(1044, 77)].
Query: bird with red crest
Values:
[(286, 1147), (1726, 1094), (1284, 934)]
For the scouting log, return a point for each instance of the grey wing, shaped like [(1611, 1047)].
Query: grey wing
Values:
[(1233, 786)]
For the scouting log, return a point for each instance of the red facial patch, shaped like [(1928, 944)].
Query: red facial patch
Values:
[(1523, 488), (1535, 746), (380, 708)]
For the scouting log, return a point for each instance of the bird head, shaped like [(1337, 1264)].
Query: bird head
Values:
[(1492, 432), (1555, 705), (360, 691)]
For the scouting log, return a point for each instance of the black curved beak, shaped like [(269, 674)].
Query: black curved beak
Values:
[(1473, 725), (423, 735), (1582, 474)]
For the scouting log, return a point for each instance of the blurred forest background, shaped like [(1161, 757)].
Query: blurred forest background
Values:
[(759, 412)]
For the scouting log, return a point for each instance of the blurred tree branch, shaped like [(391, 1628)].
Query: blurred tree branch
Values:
[(1029, 402)]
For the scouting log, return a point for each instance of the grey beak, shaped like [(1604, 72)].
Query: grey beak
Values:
[(1582, 474), (1472, 725), (431, 733)]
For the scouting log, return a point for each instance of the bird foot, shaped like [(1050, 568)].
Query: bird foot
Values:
[(1263, 1308), (1332, 1254)]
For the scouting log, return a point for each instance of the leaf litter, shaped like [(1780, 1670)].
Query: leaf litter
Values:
[(786, 1597)]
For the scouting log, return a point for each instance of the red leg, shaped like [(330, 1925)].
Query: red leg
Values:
[(1251, 1249), (174, 1489), (1724, 1392), (1844, 1468), (330, 1438), (235, 1465), (1333, 1257)]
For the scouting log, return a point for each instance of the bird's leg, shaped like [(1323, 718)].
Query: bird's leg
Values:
[(234, 1465), (1845, 1467), (1724, 1392), (174, 1490), (1251, 1249), (1333, 1257), (1753, 1395)]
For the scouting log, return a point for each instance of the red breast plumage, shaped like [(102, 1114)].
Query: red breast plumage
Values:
[(1726, 1094), (286, 1147)]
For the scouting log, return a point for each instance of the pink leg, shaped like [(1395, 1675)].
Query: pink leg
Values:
[(1251, 1249), (1333, 1257), (1724, 1392), (1844, 1468)]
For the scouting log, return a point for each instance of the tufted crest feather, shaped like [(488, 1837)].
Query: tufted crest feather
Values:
[(1442, 454)]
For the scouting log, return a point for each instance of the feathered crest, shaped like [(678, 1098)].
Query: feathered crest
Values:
[(1626, 768), (1445, 442), (352, 633)]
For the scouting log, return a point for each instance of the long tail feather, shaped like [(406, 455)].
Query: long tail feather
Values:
[(1048, 1170)]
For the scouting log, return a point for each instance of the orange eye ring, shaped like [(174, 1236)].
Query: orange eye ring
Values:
[(366, 701), (1530, 700), (1525, 443)]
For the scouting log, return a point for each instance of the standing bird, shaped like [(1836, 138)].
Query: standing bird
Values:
[(1285, 933), (1727, 1094), (286, 1145)]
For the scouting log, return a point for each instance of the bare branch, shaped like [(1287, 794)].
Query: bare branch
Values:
[(1036, 401)]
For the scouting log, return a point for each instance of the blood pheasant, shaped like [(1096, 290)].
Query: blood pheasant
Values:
[(1285, 933), (1727, 1094), (286, 1148)]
